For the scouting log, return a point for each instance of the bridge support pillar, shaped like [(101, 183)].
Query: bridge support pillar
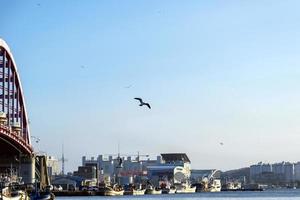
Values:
[(41, 172), (27, 169)]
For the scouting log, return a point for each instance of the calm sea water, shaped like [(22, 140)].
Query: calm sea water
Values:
[(265, 195)]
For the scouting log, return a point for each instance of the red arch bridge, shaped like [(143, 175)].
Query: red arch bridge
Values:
[(16, 152)]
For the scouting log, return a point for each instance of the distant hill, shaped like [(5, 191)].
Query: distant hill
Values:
[(236, 174)]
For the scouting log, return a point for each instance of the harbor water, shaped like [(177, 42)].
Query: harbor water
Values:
[(265, 195)]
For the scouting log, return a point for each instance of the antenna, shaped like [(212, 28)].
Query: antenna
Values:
[(63, 160)]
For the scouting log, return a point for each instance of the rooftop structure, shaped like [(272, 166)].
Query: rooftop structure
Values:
[(175, 157)]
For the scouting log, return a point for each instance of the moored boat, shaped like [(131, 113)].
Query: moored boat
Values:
[(116, 190), (215, 186), (138, 191), (171, 190), (185, 188), (7, 194), (153, 190), (132, 190)]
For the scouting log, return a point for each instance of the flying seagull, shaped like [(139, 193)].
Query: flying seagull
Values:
[(37, 140), (128, 86), (143, 103)]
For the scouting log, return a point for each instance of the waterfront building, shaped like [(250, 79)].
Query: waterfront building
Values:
[(262, 173), (125, 168), (278, 173), (53, 166), (86, 172), (266, 168), (134, 169), (297, 171), (255, 170), (278, 168), (260, 168), (289, 172), (67, 182)]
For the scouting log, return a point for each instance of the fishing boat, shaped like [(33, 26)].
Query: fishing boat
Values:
[(135, 192), (7, 194), (46, 194), (138, 191), (170, 190), (116, 190), (185, 188), (153, 190), (215, 186), (12, 189)]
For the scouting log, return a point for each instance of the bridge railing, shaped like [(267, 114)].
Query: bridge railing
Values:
[(15, 135)]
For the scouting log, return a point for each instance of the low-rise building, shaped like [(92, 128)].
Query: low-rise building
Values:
[(125, 169), (86, 172), (67, 182), (134, 169)]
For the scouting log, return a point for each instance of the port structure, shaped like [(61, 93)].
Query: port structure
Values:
[(16, 149), (137, 156), (119, 166)]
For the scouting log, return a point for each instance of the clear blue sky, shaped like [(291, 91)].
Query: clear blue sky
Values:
[(213, 71)]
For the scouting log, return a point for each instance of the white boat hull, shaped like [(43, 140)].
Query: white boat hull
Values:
[(185, 190), (153, 191), (138, 192), (109, 191)]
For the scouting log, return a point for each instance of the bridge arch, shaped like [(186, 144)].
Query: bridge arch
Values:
[(14, 125)]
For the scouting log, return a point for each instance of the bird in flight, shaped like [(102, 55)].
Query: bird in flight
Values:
[(128, 86), (143, 103), (37, 140)]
